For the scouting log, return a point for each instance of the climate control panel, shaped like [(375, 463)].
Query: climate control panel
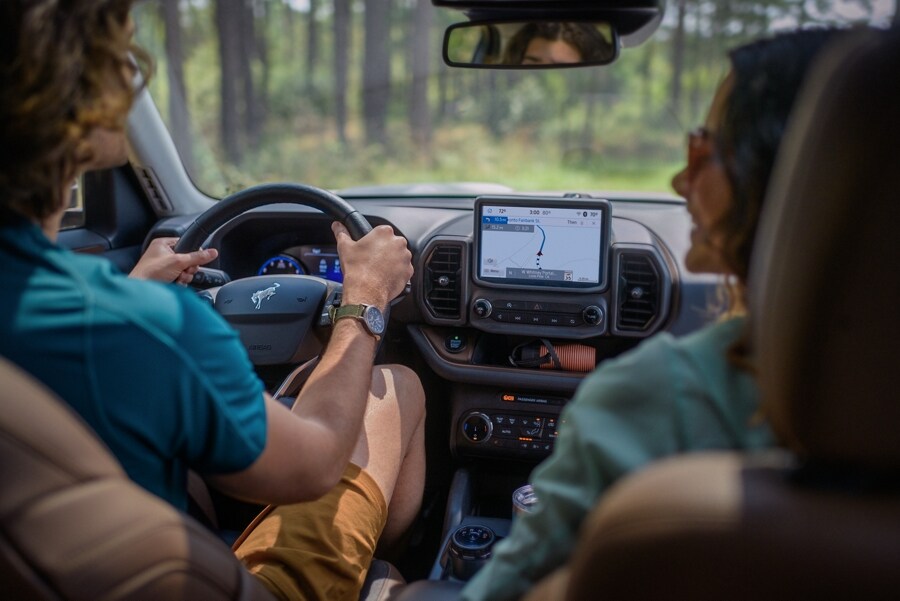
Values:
[(509, 433)]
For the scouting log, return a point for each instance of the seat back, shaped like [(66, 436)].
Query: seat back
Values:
[(826, 264), (73, 526), (823, 521)]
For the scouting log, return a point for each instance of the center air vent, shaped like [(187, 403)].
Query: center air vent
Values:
[(443, 286), (639, 292)]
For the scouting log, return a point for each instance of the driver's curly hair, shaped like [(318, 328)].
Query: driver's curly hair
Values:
[(583, 37), (64, 70)]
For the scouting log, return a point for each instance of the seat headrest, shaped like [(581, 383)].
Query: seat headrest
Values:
[(824, 290)]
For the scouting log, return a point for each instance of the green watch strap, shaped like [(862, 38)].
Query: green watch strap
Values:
[(356, 311), (362, 313)]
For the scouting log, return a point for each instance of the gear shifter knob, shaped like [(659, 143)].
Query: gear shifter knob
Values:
[(470, 548)]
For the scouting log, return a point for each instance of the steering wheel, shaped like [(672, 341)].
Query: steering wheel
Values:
[(275, 314)]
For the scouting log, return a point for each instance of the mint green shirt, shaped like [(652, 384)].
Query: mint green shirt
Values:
[(665, 397)]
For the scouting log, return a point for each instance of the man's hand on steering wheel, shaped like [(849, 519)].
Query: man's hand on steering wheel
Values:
[(376, 267), (160, 262)]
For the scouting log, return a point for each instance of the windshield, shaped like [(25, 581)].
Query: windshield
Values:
[(344, 93)]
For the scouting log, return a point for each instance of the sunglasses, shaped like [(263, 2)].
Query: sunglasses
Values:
[(700, 150)]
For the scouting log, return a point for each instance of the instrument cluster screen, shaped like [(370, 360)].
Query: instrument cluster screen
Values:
[(321, 261)]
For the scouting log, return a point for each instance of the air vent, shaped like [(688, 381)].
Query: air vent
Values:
[(443, 288), (155, 192), (639, 292)]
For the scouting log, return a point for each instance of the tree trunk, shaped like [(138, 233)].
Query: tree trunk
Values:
[(443, 91), (289, 31), (419, 117), (262, 54), (342, 18), (312, 44), (377, 70), (179, 119), (647, 77), (247, 43), (592, 92), (228, 14), (491, 96), (678, 59)]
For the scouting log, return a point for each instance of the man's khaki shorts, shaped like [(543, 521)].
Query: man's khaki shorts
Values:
[(320, 549)]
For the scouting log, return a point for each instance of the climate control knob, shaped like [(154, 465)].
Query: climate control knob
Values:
[(477, 427), (482, 308)]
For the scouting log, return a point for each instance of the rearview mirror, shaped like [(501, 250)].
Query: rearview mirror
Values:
[(530, 44)]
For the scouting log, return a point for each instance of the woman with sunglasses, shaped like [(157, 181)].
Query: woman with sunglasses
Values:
[(670, 395)]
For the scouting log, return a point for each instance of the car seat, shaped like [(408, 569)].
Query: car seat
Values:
[(73, 526), (822, 519)]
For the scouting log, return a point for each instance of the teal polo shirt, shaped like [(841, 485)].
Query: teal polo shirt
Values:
[(154, 370)]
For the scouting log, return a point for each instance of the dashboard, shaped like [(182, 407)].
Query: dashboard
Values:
[(514, 298)]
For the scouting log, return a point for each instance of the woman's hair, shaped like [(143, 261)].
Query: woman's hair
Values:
[(584, 37), (64, 70), (767, 77)]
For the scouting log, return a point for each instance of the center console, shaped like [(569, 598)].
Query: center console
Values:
[(520, 310), (470, 531)]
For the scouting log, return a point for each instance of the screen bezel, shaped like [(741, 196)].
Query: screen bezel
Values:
[(545, 202)]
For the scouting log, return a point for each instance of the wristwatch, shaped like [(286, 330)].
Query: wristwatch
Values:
[(371, 317)]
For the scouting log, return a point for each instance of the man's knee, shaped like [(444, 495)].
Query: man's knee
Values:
[(404, 385)]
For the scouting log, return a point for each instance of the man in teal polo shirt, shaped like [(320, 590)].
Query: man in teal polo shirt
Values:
[(157, 374), (132, 357)]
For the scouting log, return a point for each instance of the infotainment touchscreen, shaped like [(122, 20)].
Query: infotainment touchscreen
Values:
[(542, 242)]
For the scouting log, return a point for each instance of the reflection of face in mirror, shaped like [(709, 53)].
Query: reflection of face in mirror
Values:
[(541, 51), (557, 43)]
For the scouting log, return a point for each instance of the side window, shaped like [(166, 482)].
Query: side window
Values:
[(74, 215)]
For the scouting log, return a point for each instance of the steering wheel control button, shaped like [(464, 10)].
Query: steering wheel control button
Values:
[(477, 427), (206, 277), (482, 308), (455, 343)]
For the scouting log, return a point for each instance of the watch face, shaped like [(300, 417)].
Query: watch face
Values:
[(375, 320)]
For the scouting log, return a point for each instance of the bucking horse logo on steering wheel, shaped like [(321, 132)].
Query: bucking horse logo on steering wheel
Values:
[(260, 295)]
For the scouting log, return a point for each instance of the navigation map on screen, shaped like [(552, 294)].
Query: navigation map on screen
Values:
[(541, 244)]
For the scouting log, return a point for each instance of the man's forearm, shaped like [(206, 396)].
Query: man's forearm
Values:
[(336, 393)]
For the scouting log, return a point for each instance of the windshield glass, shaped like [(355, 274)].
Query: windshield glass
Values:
[(345, 93)]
